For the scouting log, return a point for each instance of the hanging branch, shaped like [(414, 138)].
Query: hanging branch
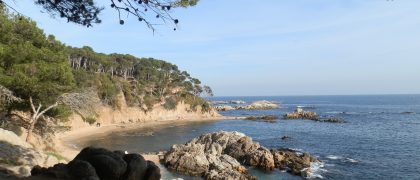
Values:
[(86, 12)]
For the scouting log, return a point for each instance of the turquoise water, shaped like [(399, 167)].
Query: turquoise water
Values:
[(381, 139)]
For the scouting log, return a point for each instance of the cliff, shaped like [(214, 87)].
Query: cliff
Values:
[(125, 114)]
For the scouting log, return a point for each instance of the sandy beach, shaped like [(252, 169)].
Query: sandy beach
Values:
[(66, 142)]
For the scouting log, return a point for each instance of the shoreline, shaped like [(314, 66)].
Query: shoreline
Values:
[(65, 142)]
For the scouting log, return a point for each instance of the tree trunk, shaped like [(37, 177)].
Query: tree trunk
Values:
[(35, 116)]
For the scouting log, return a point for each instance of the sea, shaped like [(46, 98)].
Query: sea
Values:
[(380, 139)]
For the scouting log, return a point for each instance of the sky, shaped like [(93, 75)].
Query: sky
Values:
[(271, 47)]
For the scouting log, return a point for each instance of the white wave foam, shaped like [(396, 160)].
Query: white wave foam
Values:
[(238, 134), (315, 170), (333, 112), (333, 157), (351, 160), (297, 151)]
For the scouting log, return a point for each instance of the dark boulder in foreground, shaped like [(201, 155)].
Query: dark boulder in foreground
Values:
[(101, 164), (224, 155)]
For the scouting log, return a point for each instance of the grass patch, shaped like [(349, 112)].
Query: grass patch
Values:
[(90, 120), (58, 156)]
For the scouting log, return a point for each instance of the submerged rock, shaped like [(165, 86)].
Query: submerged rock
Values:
[(331, 120), (224, 155), (268, 118), (101, 164), (286, 138)]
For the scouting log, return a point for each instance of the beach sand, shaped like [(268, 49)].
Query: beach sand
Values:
[(65, 143)]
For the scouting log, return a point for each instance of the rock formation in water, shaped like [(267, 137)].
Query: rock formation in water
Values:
[(266, 118), (299, 113), (101, 164), (258, 105), (224, 155), (293, 161)]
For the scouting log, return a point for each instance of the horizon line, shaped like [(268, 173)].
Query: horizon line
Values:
[(316, 95)]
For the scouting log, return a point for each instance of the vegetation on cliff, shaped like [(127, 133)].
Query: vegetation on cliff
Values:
[(38, 73)]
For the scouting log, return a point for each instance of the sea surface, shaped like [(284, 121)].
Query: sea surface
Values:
[(381, 139)]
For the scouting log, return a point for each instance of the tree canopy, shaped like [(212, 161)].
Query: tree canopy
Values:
[(35, 65), (87, 12)]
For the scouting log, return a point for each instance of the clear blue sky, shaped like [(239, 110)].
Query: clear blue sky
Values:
[(272, 47)]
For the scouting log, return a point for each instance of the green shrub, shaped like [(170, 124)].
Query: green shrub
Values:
[(107, 89), (90, 120), (58, 156), (205, 107), (128, 93), (149, 101), (170, 103), (61, 112), (195, 101)]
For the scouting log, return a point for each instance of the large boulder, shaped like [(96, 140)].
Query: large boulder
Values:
[(261, 158), (293, 161), (205, 156), (108, 165), (136, 166), (188, 159), (101, 164)]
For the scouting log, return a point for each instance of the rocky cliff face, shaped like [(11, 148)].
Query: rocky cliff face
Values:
[(125, 114)]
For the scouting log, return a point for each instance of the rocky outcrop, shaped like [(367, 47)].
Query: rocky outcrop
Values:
[(292, 161), (17, 157), (101, 164), (260, 105), (224, 155), (224, 108), (299, 113)]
